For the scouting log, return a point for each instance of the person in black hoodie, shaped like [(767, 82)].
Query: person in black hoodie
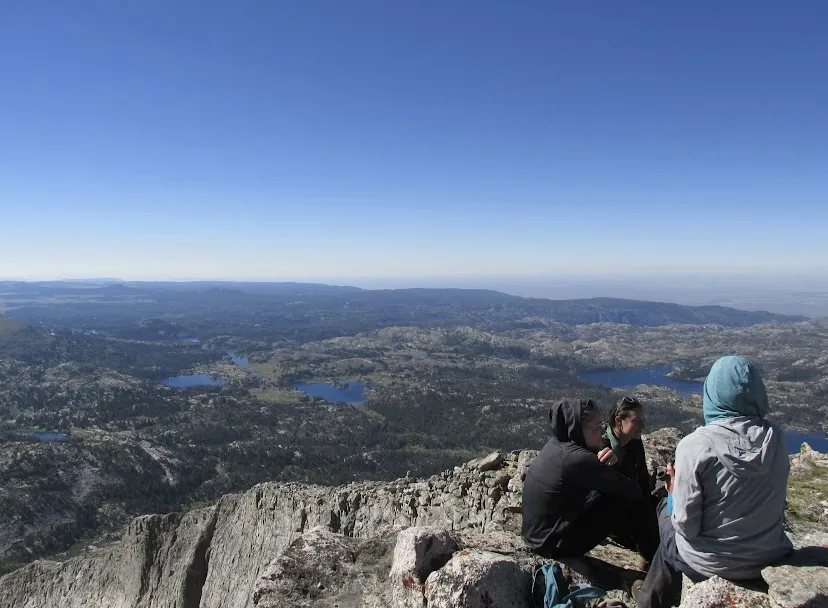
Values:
[(573, 498)]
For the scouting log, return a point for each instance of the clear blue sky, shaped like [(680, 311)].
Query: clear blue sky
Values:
[(308, 139)]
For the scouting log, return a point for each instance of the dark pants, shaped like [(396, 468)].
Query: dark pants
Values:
[(626, 540), (603, 518), (662, 587)]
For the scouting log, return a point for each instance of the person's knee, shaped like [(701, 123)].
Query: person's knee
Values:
[(620, 510), (632, 511)]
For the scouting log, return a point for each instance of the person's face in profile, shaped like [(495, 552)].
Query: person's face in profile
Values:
[(592, 429)]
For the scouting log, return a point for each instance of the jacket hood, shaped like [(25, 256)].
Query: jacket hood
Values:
[(565, 420), (746, 446), (734, 388)]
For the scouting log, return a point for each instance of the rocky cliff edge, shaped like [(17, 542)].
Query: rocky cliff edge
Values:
[(451, 540)]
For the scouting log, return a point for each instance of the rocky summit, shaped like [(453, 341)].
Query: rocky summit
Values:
[(451, 540)]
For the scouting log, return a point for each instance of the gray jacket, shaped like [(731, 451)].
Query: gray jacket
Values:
[(729, 497)]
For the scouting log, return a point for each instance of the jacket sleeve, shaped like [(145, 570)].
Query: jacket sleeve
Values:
[(643, 474), (688, 497), (584, 470)]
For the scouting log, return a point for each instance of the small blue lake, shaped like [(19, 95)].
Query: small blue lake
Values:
[(630, 378), (795, 440), (352, 394), (191, 380), (49, 436), (240, 361)]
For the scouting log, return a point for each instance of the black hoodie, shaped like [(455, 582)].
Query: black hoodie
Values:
[(562, 476)]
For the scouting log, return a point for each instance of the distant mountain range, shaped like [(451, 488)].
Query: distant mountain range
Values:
[(92, 281), (309, 311)]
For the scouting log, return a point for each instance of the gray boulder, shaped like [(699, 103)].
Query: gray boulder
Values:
[(801, 581), (719, 593), (490, 462), (322, 568), (419, 552), (479, 579), (803, 464)]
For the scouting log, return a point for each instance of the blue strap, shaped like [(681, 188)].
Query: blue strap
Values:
[(558, 594), (582, 594), (550, 580)]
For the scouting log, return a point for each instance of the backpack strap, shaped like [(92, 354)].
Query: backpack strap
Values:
[(549, 579), (583, 594), (556, 591)]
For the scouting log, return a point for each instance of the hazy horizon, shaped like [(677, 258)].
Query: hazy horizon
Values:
[(790, 295)]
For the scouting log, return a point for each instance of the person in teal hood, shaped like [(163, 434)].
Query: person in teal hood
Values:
[(727, 490), (734, 388)]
